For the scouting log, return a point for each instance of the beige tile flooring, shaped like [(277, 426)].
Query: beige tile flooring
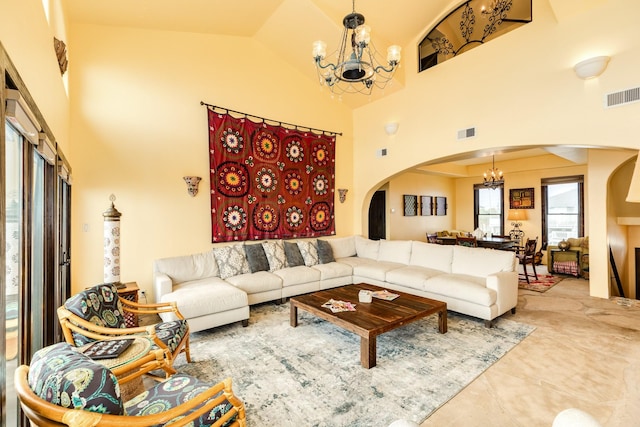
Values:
[(584, 353)]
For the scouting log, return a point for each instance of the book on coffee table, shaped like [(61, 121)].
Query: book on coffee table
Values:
[(385, 295), (337, 306)]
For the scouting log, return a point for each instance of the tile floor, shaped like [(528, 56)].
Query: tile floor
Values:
[(585, 353)]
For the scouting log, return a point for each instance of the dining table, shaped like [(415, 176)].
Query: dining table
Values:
[(501, 243)]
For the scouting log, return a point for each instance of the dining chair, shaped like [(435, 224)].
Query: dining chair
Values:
[(526, 255)]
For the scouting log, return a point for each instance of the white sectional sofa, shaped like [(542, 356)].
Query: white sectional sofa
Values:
[(218, 286)]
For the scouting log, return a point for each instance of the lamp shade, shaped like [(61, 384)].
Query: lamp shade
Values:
[(517, 215)]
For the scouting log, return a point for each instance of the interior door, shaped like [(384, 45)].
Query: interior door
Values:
[(377, 216)]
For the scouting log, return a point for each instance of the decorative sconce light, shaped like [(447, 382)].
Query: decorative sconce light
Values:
[(192, 184), (342, 194), (112, 244), (391, 128), (592, 67)]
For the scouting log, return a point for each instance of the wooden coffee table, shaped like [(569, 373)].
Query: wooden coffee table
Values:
[(370, 319)]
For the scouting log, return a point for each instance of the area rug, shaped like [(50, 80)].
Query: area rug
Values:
[(311, 375), (543, 284)]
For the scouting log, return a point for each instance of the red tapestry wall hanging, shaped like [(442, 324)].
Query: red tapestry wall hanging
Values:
[(269, 181)]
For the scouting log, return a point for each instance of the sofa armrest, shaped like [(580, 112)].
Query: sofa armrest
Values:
[(162, 285), (505, 283)]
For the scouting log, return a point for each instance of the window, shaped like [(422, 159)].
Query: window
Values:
[(562, 209), (489, 209)]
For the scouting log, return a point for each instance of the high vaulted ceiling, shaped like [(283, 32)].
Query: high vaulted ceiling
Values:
[(288, 27)]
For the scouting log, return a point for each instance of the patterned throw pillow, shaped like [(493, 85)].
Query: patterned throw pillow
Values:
[(275, 254), (68, 378), (309, 251), (256, 257), (231, 260), (294, 257), (325, 252)]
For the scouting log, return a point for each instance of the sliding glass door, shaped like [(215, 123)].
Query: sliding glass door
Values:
[(13, 231)]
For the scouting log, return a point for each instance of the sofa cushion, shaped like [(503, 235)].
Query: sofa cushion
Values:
[(376, 270), (294, 257), (231, 260), (206, 296), (462, 287), (411, 276), (67, 378), (366, 248), (333, 270), (256, 283), (325, 252), (190, 267), (481, 262), (275, 254), (256, 257), (297, 275), (395, 251), (431, 255), (343, 247), (309, 251)]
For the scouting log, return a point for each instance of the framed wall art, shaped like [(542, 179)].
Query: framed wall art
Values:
[(410, 205), (521, 198), (426, 206), (440, 206)]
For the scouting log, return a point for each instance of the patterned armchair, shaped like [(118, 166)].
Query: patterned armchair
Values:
[(97, 313), (65, 387)]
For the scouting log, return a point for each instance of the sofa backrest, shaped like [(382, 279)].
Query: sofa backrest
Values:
[(481, 262), (395, 251), (343, 247), (367, 248), (431, 255), (189, 267)]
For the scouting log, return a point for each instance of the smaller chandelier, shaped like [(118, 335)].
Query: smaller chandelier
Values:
[(493, 177), (356, 68)]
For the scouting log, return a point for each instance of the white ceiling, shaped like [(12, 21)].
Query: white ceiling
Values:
[(289, 28)]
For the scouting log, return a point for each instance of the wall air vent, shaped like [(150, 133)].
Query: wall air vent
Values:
[(466, 133), (623, 97)]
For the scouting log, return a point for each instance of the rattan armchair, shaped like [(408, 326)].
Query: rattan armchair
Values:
[(98, 313), (63, 387)]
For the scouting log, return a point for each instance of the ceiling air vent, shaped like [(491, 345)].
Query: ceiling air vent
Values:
[(623, 97), (466, 133)]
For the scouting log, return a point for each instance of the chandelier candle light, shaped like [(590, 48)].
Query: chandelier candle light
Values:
[(493, 177), (356, 68)]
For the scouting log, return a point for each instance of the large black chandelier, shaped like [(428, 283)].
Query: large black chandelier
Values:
[(356, 68)]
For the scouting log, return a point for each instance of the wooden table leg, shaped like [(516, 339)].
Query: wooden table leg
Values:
[(368, 352), (442, 321), (293, 315)]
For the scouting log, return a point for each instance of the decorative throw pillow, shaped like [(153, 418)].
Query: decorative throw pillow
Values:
[(256, 257), (309, 251), (274, 250), (294, 257), (231, 260), (325, 252), (70, 379)]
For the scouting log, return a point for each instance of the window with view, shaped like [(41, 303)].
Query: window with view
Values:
[(562, 215), (489, 211)]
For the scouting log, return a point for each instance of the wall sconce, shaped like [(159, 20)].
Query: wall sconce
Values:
[(342, 194), (391, 128), (592, 67), (192, 184)]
